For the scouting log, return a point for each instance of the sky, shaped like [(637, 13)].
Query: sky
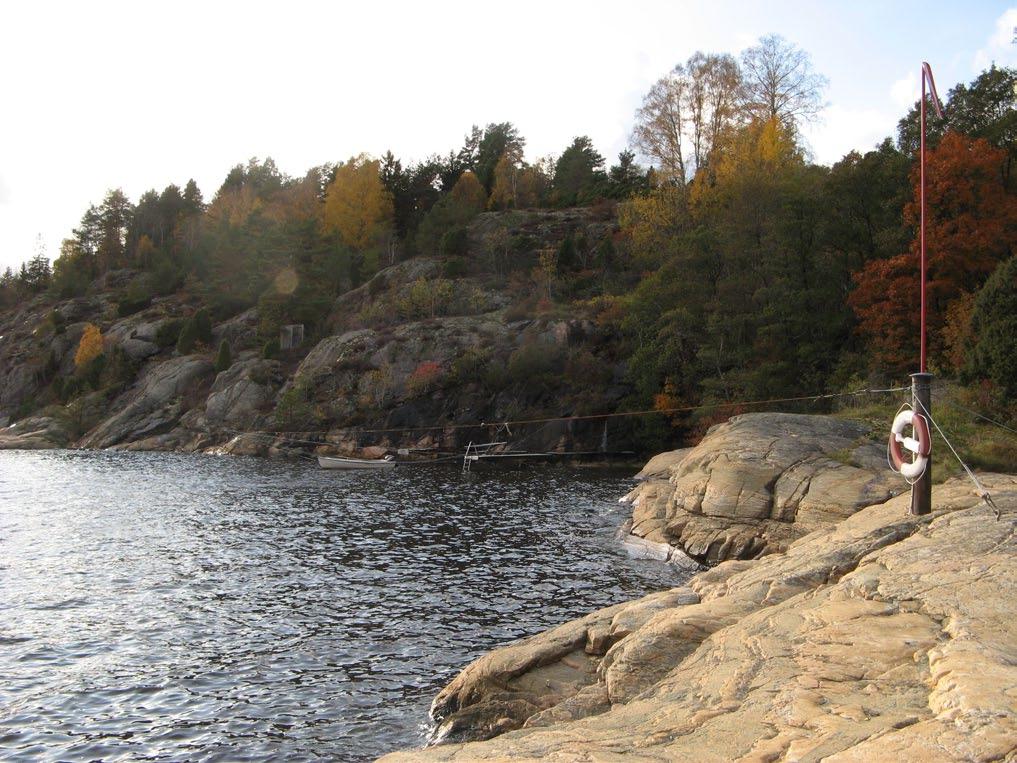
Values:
[(137, 95)]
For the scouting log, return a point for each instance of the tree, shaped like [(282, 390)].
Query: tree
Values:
[(626, 177), (711, 102), (465, 201), (500, 139), (223, 359), (994, 324), (90, 346), (115, 214), (971, 223), (577, 173), (659, 125), (987, 108), (358, 207), (779, 82)]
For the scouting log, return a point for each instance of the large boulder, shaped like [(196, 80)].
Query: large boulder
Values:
[(885, 637), (758, 482), (154, 403)]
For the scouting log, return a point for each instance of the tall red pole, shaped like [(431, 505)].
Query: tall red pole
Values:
[(921, 363), (921, 382)]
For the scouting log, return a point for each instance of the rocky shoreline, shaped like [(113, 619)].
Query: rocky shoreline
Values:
[(835, 626)]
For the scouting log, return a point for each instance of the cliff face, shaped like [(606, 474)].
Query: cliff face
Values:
[(882, 637), (419, 345)]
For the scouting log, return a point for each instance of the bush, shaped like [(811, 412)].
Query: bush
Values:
[(168, 332), (271, 349), (294, 411), (425, 377), (454, 242), (203, 326), (188, 337), (533, 360), (224, 359), (454, 268), (57, 321)]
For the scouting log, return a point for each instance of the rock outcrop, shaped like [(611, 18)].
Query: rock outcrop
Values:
[(34, 433), (884, 637), (758, 482), (154, 403)]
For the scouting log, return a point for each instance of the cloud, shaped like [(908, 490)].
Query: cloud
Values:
[(905, 91), (5, 193), (1000, 48)]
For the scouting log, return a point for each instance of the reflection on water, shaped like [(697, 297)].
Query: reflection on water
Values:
[(171, 607)]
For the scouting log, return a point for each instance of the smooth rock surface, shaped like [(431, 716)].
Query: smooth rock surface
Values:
[(883, 637), (153, 404), (758, 482)]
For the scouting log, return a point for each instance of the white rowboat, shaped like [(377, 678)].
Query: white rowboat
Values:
[(332, 462)]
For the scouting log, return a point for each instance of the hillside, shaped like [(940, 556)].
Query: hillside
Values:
[(421, 347)]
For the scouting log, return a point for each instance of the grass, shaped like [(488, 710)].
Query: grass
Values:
[(982, 445)]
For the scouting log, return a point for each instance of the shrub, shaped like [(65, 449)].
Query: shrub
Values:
[(271, 349), (188, 337), (532, 360), (56, 321), (455, 267), (294, 410), (425, 377), (168, 332), (223, 358), (203, 326), (454, 242)]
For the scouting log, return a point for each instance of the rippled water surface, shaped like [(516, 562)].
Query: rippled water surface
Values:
[(157, 606)]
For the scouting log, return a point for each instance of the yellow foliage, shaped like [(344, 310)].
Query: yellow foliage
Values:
[(468, 193), (357, 205), (651, 221), (90, 346)]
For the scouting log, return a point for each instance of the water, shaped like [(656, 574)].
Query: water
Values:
[(168, 607)]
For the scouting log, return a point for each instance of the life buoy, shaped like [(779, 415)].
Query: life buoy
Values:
[(920, 446)]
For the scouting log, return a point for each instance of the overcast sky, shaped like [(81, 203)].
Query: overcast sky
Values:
[(137, 95)]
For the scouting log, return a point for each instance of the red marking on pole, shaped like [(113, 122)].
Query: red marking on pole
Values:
[(926, 77)]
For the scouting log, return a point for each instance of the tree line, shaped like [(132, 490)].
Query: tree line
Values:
[(738, 270)]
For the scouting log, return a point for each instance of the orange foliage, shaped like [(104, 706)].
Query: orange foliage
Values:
[(971, 220), (90, 346)]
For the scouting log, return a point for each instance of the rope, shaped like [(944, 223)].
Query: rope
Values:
[(980, 490), (592, 416)]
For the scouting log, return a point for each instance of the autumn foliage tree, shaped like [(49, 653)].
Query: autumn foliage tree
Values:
[(358, 207), (971, 221), (90, 346)]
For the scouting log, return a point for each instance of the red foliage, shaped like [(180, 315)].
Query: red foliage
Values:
[(971, 221)]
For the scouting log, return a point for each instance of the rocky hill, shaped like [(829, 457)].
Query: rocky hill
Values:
[(860, 632), (420, 350)]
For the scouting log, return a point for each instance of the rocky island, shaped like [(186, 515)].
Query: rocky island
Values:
[(835, 626)]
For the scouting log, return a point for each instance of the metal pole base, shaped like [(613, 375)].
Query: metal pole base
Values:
[(921, 491)]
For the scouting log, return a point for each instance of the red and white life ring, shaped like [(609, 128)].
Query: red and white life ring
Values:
[(920, 446)]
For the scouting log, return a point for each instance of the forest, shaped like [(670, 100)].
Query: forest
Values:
[(735, 269)]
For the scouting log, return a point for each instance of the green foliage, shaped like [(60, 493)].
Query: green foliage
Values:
[(270, 350), (203, 326), (578, 173), (188, 337), (223, 358), (295, 410), (168, 332), (532, 362), (454, 267), (454, 242), (994, 324)]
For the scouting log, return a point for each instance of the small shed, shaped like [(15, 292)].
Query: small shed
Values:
[(291, 336)]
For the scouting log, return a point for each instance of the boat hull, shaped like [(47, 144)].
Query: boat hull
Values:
[(332, 462)]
